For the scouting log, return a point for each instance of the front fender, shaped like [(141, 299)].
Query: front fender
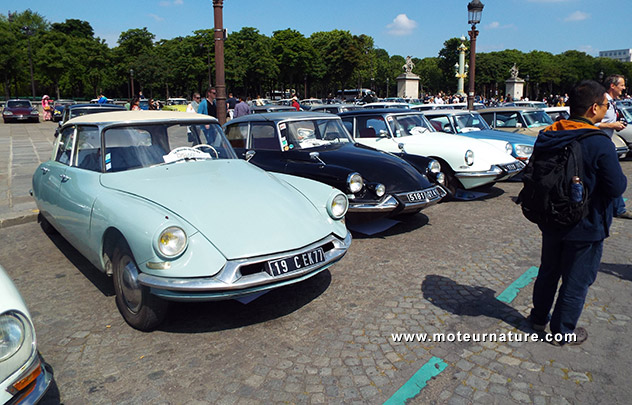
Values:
[(140, 222), (319, 195)]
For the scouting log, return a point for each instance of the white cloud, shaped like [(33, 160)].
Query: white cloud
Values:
[(166, 3), (156, 17), (402, 25), (577, 16), (178, 2), (496, 25)]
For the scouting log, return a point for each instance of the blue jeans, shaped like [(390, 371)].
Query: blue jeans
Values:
[(576, 263), (618, 206)]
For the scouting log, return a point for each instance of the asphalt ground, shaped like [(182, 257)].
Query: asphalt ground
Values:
[(328, 339)]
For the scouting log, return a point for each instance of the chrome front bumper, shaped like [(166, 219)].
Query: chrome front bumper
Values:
[(244, 277), (401, 202), (33, 392), (497, 172)]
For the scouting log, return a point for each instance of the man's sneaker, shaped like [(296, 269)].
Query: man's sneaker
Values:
[(581, 335), (625, 215)]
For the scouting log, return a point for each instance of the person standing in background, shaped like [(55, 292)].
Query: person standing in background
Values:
[(615, 85)]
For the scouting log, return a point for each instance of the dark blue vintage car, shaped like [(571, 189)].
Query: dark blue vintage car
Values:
[(317, 146)]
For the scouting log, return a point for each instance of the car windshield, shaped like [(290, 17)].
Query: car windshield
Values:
[(18, 104), (627, 113), (138, 146), (408, 125), (470, 122), (307, 134), (537, 119)]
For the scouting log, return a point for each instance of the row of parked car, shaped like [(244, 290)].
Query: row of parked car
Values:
[(176, 208)]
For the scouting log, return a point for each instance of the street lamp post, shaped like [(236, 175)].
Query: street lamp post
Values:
[(526, 79), (474, 11), (387, 80), (28, 32), (220, 83), (131, 79)]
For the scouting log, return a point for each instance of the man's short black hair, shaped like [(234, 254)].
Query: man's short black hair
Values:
[(585, 94)]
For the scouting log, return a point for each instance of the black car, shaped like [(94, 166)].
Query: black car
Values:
[(317, 146), (58, 108), (77, 110)]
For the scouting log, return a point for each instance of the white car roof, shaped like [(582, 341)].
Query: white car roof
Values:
[(139, 116)]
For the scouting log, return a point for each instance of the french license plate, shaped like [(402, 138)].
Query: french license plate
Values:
[(423, 195), (511, 166), (293, 263)]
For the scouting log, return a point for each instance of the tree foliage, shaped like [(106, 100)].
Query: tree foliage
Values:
[(69, 61)]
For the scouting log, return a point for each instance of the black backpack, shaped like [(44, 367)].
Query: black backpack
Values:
[(547, 181)]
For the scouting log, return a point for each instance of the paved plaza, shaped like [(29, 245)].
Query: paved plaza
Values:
[(451, 269)]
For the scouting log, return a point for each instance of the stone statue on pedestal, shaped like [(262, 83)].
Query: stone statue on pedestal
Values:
[(409, 65)]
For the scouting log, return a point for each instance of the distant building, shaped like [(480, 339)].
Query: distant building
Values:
[(622, 55)]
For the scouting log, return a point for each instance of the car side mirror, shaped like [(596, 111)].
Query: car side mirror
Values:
[(518, 125), (382, 134), (315, 156), (401, 147), (250, 154), (56, 132)]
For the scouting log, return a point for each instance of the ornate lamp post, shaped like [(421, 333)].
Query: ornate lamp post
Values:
[(474, 11), (131, 79), (387, 80), (460, 68), (28, 32), (220, 83), (526, 79)]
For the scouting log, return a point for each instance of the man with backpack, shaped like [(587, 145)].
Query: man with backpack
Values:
[(572, 244)]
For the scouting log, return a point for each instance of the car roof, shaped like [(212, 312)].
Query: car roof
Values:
[(92, 105), (140, 116), (373, 111), (445, 111), (279, 116), (508, 109)]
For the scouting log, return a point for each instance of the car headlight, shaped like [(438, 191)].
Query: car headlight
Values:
[(34, 112), (172, 241), (469, 157), (380, 190), (7, 113), (508, 148), (524, 150), (355, 182), (337, 207), (434, 166), (12, 333)]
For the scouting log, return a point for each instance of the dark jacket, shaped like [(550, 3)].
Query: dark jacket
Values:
[(603, 177)]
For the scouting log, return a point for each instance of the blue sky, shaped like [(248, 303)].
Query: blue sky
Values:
[(402, 27)]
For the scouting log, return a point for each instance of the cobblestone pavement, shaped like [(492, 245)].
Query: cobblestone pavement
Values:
[(328, 339)]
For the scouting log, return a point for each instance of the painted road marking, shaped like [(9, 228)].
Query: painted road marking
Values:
[(514, 288), (417, 382)]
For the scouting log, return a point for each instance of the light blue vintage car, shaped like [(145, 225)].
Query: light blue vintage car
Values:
[(171, 222)]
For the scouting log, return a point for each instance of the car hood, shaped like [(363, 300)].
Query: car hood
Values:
[(374, 165), (19, 110), (501, 136), (437, 143), (10, 296), (242, 210)]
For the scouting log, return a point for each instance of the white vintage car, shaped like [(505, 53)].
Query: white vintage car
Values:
[(24, 377), (466, 162)]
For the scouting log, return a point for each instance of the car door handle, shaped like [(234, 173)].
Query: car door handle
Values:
[(45, 170), (64, 178)]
